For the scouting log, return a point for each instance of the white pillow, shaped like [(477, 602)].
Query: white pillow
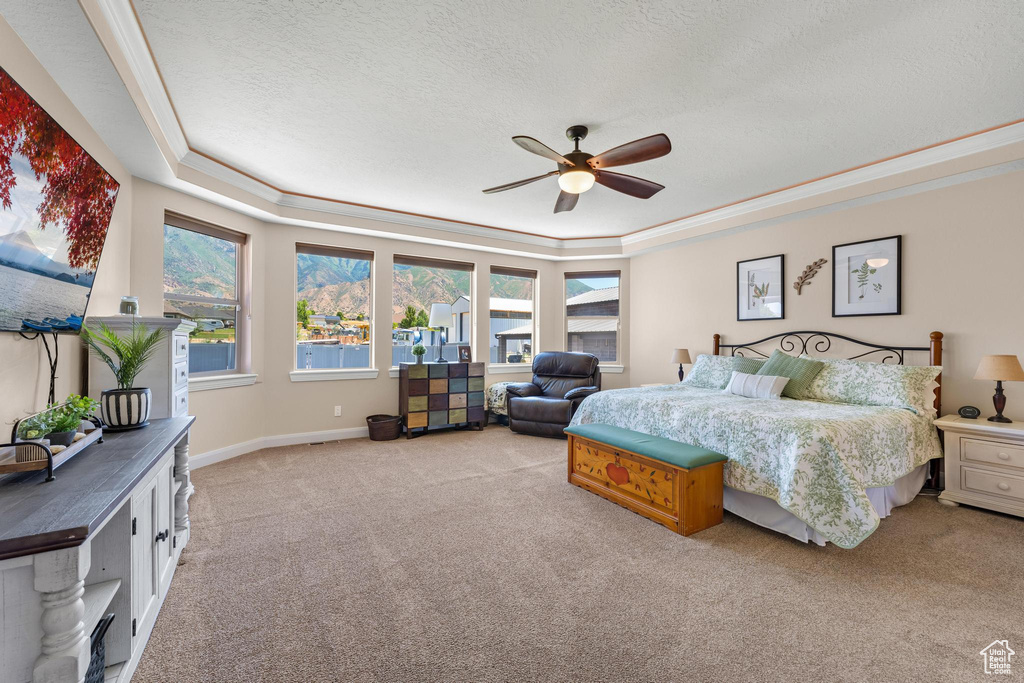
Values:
[(756, 386)]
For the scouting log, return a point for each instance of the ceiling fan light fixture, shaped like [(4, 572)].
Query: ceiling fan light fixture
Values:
[(576, 181)]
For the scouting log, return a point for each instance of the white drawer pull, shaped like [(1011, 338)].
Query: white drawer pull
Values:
[(1004, 456), (1003, 486)]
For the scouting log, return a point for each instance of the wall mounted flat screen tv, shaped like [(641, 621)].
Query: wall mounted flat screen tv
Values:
[(55, 208)]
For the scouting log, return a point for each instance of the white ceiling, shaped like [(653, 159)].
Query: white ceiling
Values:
[(62, 40), (411, 105)]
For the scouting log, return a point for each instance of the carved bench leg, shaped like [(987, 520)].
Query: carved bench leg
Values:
[(182, 473), (60, 577)]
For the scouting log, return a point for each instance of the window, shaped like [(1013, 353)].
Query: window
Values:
[(511, 324), (332, 308), (592, 313), (419, 283), (205, 281)]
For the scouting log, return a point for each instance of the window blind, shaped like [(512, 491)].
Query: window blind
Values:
[(514, 272), (177, 221), (337, 252), (432, 263), (593, 274)]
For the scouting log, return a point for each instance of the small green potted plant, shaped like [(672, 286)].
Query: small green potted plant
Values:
[(127, 406), (64, 423), (64, 420), (419, 351)]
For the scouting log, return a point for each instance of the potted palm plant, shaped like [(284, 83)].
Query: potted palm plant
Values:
[(126, 407)]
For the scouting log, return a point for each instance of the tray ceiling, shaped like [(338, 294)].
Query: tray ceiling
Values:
[(410, 106)]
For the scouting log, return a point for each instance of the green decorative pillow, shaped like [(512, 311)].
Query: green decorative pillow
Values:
[(710, 372), (800, 371), (876, 384), (748, 366)]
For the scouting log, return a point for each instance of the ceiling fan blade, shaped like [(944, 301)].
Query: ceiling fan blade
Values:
[(518, 183), (538, 147), (634, 152), (631, 185), (566, 201)]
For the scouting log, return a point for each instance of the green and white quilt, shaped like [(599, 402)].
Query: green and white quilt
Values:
[(814, 459)]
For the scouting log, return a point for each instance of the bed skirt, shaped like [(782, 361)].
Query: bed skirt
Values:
[(767, 513)]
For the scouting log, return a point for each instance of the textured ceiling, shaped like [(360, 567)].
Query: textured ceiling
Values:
[(61, 38), (411, 105)]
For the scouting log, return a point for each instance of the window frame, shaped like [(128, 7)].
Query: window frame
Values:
[(440, 263), (582, 275), (243, 290), (298, 374), (509, 271)]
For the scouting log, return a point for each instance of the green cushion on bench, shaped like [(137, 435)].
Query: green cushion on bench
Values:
[(673, 452)]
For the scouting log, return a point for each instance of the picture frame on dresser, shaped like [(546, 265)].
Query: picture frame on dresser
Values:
[(760, 294), (867, 278)]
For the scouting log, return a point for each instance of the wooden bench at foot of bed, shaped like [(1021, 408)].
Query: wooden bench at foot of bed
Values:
[(674, 484)]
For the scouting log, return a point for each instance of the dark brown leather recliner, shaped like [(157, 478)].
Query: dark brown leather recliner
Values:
[(561, 380)]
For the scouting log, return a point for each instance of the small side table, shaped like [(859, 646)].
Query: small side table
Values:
[(984, 464)]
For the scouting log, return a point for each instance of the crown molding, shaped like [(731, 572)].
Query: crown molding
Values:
[(148, 90), (235, 178), (120, 17), (974, 144)]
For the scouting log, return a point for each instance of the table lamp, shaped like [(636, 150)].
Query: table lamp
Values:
[(681, 356), (1001, 368), (441, 317)]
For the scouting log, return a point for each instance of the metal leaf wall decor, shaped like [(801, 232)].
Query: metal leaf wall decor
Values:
[(809, 272)]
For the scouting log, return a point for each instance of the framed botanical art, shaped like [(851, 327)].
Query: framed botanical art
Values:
[(866, 278), (759, 291)]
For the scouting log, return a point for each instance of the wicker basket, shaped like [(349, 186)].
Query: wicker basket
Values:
[(384, 427)]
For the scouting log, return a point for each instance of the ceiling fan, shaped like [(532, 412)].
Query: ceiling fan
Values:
[(578, 171)]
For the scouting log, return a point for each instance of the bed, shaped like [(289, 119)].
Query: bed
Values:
[(817, 471)]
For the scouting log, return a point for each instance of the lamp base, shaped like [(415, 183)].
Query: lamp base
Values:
[(440, 350), (680, 372), (999, 403)]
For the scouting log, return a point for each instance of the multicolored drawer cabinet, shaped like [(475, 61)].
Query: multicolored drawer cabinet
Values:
[(441, 395)]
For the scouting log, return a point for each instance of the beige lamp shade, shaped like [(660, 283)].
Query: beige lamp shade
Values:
[(1004, 368), (681, 356)]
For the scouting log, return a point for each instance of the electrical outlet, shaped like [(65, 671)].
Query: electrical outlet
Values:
[(337, 411)]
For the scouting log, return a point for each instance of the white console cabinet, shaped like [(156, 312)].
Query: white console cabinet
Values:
[(103, 537)]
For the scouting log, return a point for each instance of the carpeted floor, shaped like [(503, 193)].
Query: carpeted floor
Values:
[(465, 556)]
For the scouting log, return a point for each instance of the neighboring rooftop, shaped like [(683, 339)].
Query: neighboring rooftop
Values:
[(594, 296)]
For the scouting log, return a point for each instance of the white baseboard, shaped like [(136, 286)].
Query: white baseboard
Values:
[(235, 450)]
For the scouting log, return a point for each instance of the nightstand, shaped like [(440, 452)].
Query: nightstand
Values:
[(984, 464)]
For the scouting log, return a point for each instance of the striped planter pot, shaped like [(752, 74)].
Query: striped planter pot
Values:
[(125, 408)]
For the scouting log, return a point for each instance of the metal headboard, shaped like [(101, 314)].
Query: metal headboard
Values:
[(821, 342), (814, 341)]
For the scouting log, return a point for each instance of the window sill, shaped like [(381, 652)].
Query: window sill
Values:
[(328, 375), (611, 369), (221, 381), (509, 368), (393, 372)]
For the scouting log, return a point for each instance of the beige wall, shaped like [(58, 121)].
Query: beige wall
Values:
[(24, 372), (224, 416), (962, 251), (275, 405)]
